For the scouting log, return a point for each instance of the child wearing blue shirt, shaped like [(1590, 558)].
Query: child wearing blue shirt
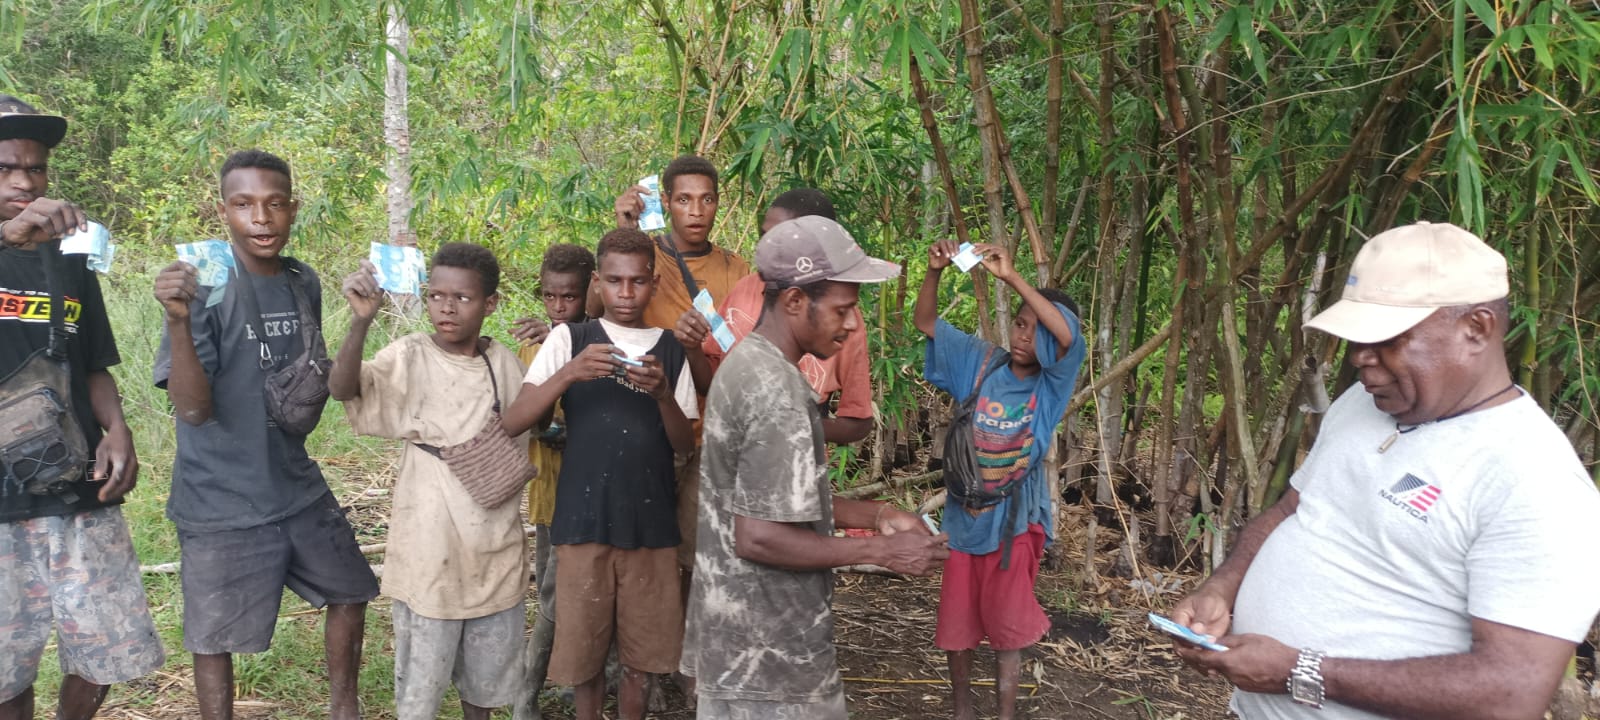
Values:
[(1022, 395)]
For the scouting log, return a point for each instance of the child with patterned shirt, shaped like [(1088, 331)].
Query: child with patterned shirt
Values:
[(1021, 396)]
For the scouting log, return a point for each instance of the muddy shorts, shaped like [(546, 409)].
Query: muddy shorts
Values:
[(712, 709), (604, 594), (233, 580), (482, 657), (77, 574), (978, 599)]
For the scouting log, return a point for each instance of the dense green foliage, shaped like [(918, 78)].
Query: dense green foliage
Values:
[(1188, 169)]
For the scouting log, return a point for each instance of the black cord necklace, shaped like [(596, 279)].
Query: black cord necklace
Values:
[(1401, 429)]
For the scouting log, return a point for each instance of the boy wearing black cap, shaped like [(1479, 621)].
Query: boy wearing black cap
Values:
[(66, 559)]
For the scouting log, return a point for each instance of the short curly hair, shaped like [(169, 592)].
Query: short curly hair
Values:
[(471, 257), (689, 165), (628, 241), (567, 258), (254, 159)]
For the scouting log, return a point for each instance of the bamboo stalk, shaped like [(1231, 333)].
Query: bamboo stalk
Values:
[(958, 218)]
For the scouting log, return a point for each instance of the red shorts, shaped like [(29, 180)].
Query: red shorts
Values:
[(978, 599)]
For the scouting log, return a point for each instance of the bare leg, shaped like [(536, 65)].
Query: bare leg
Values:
[(19, 707), (630, 695), (344, 628), (589, 697), (213, 686), (473, 712), (80, 699), (1008, 674), (961, 683)]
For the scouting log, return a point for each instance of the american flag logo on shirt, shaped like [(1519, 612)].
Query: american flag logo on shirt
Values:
[(1416, 492)]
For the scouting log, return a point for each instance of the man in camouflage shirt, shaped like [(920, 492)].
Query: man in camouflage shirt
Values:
[(760, 629)]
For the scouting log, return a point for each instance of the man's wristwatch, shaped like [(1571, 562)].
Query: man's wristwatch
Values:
[(1305, 680)]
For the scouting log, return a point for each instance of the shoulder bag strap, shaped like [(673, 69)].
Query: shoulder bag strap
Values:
[(310, 328), (683, 267), (252, 310), (434, 450), (50, 258)]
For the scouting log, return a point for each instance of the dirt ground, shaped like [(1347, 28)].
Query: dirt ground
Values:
[(1100, 660)]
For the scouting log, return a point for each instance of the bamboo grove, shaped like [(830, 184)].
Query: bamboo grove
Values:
[(1198, 174)]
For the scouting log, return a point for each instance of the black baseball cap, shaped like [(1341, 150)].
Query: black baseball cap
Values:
[(20, 121)]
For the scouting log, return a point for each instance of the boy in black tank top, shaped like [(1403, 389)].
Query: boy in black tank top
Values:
[(628, 397)]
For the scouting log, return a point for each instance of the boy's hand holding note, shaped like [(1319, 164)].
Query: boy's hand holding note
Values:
[(213, 264), (719, 328), (652, 218), (361, 290)]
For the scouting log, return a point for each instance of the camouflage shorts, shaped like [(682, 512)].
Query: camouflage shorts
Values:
[(77, 574)]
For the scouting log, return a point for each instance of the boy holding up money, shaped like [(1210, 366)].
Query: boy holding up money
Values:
[(253, 511), (998, 515)]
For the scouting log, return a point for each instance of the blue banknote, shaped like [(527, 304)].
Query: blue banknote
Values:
[(213, 259), (401, 269)]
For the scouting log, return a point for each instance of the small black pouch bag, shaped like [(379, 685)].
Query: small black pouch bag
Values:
[(295, 393), (966, 483)]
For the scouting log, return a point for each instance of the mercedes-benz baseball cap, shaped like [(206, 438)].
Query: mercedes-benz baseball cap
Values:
[(1401, 276), (18, 121), (812, 249)]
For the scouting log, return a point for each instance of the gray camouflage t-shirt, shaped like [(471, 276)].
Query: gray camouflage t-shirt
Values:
[(757, 632)]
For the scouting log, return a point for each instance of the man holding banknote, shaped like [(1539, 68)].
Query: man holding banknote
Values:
[(66, 559)]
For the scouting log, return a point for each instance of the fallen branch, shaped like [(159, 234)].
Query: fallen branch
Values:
[(893, 483)]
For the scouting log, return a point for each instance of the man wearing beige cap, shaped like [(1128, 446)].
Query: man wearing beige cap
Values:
[(66, 560), (1431, 559), (760, 629)]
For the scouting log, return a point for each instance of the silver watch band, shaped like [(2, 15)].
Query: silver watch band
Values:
[(1305, 684)]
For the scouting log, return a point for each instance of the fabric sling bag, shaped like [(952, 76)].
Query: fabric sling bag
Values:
[(43, 451), (295, 393), (490, 465), (966, 481)]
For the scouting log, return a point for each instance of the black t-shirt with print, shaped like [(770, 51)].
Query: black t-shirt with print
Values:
[(617, 484), (25, 328)]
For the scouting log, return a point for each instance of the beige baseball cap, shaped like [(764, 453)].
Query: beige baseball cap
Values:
[(1401, 276)]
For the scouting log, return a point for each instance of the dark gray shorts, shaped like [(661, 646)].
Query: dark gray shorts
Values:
[(233, 580)]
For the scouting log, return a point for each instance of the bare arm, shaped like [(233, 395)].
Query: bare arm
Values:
[(680, 432), (926, 314), (187, 385), (344, 379), (535, 404), (361, 290), (114, 459), (1509, 673), (844, 431), (796, 547)]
